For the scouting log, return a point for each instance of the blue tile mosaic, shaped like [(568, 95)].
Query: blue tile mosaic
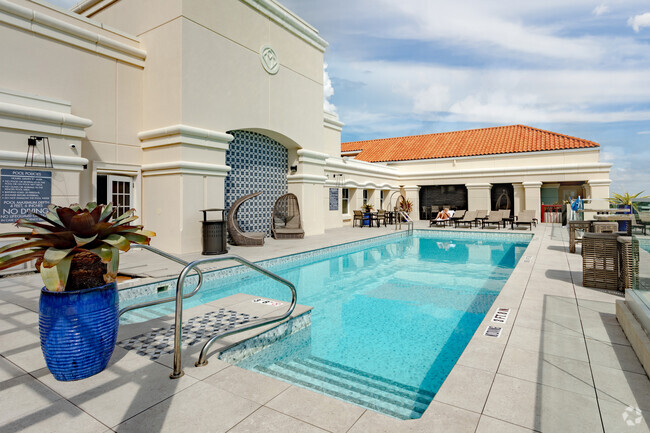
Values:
[(257, 163)]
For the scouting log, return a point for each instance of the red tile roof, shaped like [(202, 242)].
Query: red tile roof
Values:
[(473, 142)]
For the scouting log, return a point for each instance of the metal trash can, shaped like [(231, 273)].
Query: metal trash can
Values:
[(214, 233)]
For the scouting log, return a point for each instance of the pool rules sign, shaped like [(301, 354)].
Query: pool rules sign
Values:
[(22, 192)]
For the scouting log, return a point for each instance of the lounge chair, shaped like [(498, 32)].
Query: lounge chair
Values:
[(525, 217), (358, 216), (237, 235), (458, 215), (469, 218), (438, 221), (480, 216), (285, 221), (495, 217)]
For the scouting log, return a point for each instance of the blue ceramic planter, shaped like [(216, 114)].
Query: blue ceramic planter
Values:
[(78, 330)]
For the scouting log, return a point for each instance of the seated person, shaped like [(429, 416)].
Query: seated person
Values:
[(444, 214)]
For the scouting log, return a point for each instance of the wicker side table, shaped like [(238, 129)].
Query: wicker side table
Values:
[(628, 247), (600, 260), (573, 226)]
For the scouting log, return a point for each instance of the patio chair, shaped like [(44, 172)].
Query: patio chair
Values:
[(381, 217), (644, 219), (525, 217), (639, 224), (358, 216), (495, 217), (469, 218), (285, 220), (237, 235)]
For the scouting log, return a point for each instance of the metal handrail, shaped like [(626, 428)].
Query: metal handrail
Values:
[(178, 327), (171, 298), (409, 221)]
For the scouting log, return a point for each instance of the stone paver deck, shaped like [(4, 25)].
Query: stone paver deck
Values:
[(561, 364)]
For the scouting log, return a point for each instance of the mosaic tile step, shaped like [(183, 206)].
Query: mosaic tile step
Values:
[(197, 329)]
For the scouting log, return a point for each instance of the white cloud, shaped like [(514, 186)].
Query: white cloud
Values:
[(638, 21), (438, 93), (434, 98), (643, 132), (600, 9), (328, 91)]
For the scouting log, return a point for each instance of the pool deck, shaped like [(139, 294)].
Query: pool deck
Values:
[(561, 364)]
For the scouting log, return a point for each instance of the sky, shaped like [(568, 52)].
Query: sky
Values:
[(578, 67)]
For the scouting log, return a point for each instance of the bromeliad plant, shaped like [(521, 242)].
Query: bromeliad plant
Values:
[(75, 248), (626, 199)]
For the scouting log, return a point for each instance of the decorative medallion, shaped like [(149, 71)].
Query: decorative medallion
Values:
[(269, 60)]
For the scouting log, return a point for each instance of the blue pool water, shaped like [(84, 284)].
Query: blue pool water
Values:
[(389, 321)]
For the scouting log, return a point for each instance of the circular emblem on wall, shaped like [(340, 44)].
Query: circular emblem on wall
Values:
[(269, 60)]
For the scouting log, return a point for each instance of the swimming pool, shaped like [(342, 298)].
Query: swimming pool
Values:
[(391, 317)]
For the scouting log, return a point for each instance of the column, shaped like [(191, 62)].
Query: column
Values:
[(532, 197), (308, 185), (519, 198), (599, 189), (478, 196), (183, 171), (413, 194)]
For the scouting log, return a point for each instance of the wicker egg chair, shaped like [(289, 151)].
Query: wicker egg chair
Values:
[(237, 235), (285, 221)]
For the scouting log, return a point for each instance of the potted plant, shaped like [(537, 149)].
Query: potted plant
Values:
[(367, 207), (625, 201), (77, 254)]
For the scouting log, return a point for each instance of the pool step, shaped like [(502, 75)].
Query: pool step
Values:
[(367, 390)]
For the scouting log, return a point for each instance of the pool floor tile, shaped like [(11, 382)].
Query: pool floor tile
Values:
[(60, 416), (247, 384), (542, 408), (317, 409), (454, 389), (198, 408), (491, 425), (555, 371), (270, 421), (127, 387)]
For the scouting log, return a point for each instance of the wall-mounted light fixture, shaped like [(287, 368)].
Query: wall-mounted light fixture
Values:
[(32, 143), (293, 169), (338, 178)]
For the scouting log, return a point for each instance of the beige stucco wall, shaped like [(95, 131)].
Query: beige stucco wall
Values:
[(66, 65)]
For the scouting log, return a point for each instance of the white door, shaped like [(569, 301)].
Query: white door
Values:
[(120, 191)]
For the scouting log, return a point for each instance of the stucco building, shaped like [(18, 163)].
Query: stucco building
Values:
[(172, 106)]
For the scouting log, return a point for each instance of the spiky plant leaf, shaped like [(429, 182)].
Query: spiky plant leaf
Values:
[(124, 216), (84, 241), (16, 235), (117, 241), (25, 244), (56, 277), (41, 228), (112, 267), (104, 252), (106, 212), (53, 256), (19, 257), (137, 238), (47, 218)]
